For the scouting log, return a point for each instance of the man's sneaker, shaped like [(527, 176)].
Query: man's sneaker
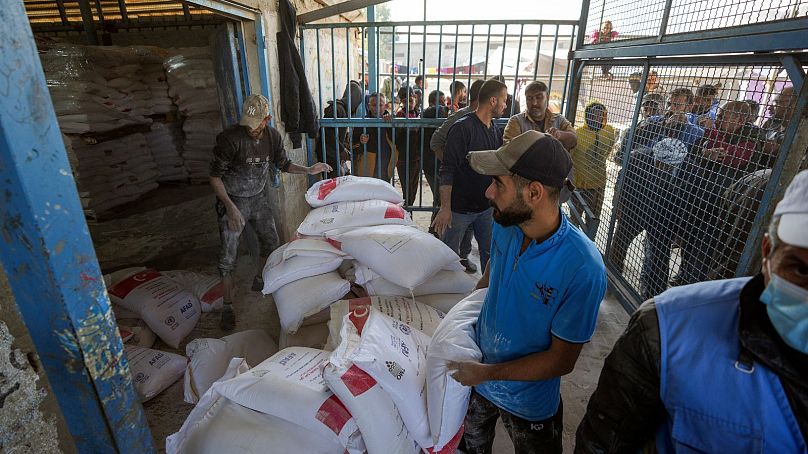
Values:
[(470, 267), (228, 319), (258, 284)]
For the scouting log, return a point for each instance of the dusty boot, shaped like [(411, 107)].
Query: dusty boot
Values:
[(227, 322)]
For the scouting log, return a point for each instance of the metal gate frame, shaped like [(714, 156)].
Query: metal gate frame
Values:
[(48, 254), (776, 43), (417, 123)]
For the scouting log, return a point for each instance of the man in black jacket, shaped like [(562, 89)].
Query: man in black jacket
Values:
[(298, 111), (719, 366)]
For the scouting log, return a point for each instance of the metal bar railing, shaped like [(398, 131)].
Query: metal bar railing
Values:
[(439, 23)]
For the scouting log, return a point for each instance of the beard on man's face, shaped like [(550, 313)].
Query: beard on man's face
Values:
[(516, 213)]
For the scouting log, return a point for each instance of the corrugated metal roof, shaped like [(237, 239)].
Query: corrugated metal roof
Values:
[(67, 12)]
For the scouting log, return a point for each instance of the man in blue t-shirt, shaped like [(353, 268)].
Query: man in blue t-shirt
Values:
[(546, 280)]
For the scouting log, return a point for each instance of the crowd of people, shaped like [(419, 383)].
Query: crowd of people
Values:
[(691, 165)]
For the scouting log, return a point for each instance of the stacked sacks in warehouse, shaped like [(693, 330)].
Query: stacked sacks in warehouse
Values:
[(89, 95), (105, 99), (111, 172), (192, 87), (162, 140)]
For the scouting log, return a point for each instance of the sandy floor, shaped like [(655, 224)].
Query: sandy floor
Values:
[(167, 411)]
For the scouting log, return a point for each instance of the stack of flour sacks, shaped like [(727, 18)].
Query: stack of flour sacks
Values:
[(357, 235), (384, 389)]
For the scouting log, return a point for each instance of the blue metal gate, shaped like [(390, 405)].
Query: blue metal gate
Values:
[(384, 56)]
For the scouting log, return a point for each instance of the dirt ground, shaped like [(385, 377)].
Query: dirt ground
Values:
[(167, 411)]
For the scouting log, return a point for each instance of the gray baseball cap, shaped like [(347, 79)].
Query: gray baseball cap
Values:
[(532, 155), (255, 109), (793, 212)]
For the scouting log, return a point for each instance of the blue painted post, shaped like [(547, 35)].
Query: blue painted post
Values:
[(48, 255), (372, 43)]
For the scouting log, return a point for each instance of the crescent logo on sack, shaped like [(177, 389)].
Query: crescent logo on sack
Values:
[(405, 329), (141, 277), (170, 320), (140, 377)]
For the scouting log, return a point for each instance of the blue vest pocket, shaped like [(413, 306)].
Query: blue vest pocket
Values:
[(693, 432)]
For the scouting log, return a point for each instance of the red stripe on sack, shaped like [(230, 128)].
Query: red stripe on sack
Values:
[(451, 446), (326, 188), (394, 212), (333, 414), (358, 302), (359, 317), (213, 294), (357, 381), (334, 243), (121, 289)]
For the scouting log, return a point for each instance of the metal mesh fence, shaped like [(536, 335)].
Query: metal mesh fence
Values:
[(698, 15), (679, 165), (620, 20), (422, 73)]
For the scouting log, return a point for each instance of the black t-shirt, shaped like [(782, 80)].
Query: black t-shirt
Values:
[(468, 186), (242, 162)]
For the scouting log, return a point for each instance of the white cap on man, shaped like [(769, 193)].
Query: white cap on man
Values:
[(793, 212), (254, 111)]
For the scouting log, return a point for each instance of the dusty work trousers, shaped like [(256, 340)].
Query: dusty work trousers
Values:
[(258, 215), (528, 437)]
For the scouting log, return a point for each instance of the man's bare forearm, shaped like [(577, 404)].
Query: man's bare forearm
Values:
[(221, 193), (559, 360), (445, 197), (298, 169)]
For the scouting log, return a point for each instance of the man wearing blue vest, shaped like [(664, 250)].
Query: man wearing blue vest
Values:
[(718, 366), (545, 282)]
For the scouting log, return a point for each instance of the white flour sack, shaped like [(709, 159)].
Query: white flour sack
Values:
[(413, 313), (442, 282), (403, 255), (308, 296), (290, 385), (443, 302), (208, 358), (170, 310), (353, 214), (218, 425), (279, 271), (447, 400), (379, 420), (309, 247), (394, 354), (347, 188), (153, 370), (206, 288)]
